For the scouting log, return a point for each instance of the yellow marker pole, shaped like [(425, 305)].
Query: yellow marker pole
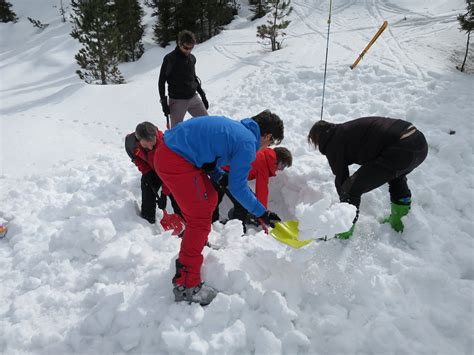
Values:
[(379, 32)]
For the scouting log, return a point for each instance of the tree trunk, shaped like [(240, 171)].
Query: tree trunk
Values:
[(467, 50)]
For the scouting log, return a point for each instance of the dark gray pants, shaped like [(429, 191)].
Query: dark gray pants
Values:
[(179, 107), (392, 167)]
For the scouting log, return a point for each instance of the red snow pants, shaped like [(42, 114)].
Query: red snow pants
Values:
[(197, 199)]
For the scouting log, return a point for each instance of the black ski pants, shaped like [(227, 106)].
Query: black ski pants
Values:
[(149, 196), (391, 166)]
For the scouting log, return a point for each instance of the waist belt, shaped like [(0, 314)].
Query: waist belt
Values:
[(408, 132)]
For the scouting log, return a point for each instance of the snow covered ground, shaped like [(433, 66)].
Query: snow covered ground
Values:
[(81, 273)]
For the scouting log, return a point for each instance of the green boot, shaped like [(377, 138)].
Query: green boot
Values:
[(395, 218), (346, 235)]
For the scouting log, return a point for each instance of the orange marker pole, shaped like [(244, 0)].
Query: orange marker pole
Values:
[(379, 32)]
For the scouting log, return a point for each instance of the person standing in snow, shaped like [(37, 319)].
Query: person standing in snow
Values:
[(193, 150), (387, 149), (267, 162), (141, 146), (178, 70)]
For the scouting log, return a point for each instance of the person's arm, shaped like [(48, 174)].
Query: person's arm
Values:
[(164, 72), (339, 168), (239, 171), (261, 181)]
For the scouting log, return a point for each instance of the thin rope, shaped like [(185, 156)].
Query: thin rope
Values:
[(326, 62)]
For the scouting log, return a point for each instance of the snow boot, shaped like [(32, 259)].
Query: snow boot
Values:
[(346, 235), (201, 294), (398, 210)]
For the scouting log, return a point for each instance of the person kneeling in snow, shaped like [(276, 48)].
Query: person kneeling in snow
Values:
[(267, 162), (141, 147), (202, 145), (387, 150)]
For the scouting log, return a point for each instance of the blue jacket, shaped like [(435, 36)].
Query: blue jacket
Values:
[(220, 141)]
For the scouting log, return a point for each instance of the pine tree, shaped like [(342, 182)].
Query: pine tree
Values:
[(279, 9), (467, 24), (6, 14), (129, 23), (164, 30), (95, 27), (259, 9)]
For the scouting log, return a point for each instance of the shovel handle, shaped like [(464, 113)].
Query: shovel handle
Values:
[(264, 226)]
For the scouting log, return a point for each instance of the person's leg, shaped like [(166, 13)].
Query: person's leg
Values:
[(148, 210), (220, 196), (197, 199), (196, 107), (178, 110)]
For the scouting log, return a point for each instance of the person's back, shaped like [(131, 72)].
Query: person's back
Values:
[(362, 139)]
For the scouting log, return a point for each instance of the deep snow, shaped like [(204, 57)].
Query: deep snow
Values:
[(81, 273)]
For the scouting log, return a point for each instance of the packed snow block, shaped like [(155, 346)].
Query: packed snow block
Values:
[(129, 338), (323, 219), (234, 336), (267, 343), (83, 234), (99, 320)]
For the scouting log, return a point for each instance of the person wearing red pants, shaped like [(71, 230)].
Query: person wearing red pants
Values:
[(192, 154)]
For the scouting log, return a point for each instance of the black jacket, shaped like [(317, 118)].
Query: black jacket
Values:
[(358, 142), (178, 70)]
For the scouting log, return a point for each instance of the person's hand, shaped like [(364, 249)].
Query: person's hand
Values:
[(224, 181), (204, 101), (162, 201), (269, 218), (164, 106)]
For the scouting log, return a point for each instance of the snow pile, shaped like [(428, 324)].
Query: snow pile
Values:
[(323, 219)]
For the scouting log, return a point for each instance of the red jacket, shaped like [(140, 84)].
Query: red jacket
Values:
[(141, 157), (263, 167)]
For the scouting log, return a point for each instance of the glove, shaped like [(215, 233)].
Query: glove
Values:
[(162, 201), (204, 101), (164, 106), (269, 218), (224, 181)]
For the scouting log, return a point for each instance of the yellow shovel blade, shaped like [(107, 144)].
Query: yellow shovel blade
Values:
[(287, 233)]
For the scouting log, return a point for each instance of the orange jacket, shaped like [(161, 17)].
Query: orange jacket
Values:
[(263, 167)]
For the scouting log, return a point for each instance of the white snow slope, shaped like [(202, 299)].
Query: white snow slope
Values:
[(80, 272)]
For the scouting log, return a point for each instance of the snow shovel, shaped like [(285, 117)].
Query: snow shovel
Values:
[(287, 233), (172, 221)]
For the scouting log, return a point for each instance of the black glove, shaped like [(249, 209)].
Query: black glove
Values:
[(204, 101), (269, 218), (162, 201), (224, 181), (164, 106)]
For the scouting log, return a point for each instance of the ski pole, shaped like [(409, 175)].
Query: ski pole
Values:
[(326, 61), (379, 32), (167, 121)]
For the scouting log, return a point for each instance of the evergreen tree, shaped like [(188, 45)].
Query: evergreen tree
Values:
[(467, 24), (129, 23), (259, 8), (164, 30), (95, 27), (6, 14), (279, 9), (204, 18)]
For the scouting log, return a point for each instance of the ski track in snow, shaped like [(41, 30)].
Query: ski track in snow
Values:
[(81, 273)]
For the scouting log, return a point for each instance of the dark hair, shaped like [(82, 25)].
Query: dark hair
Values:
[(145, 131), (186, 37), (270, 123), (315, 131), (283, 156)]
